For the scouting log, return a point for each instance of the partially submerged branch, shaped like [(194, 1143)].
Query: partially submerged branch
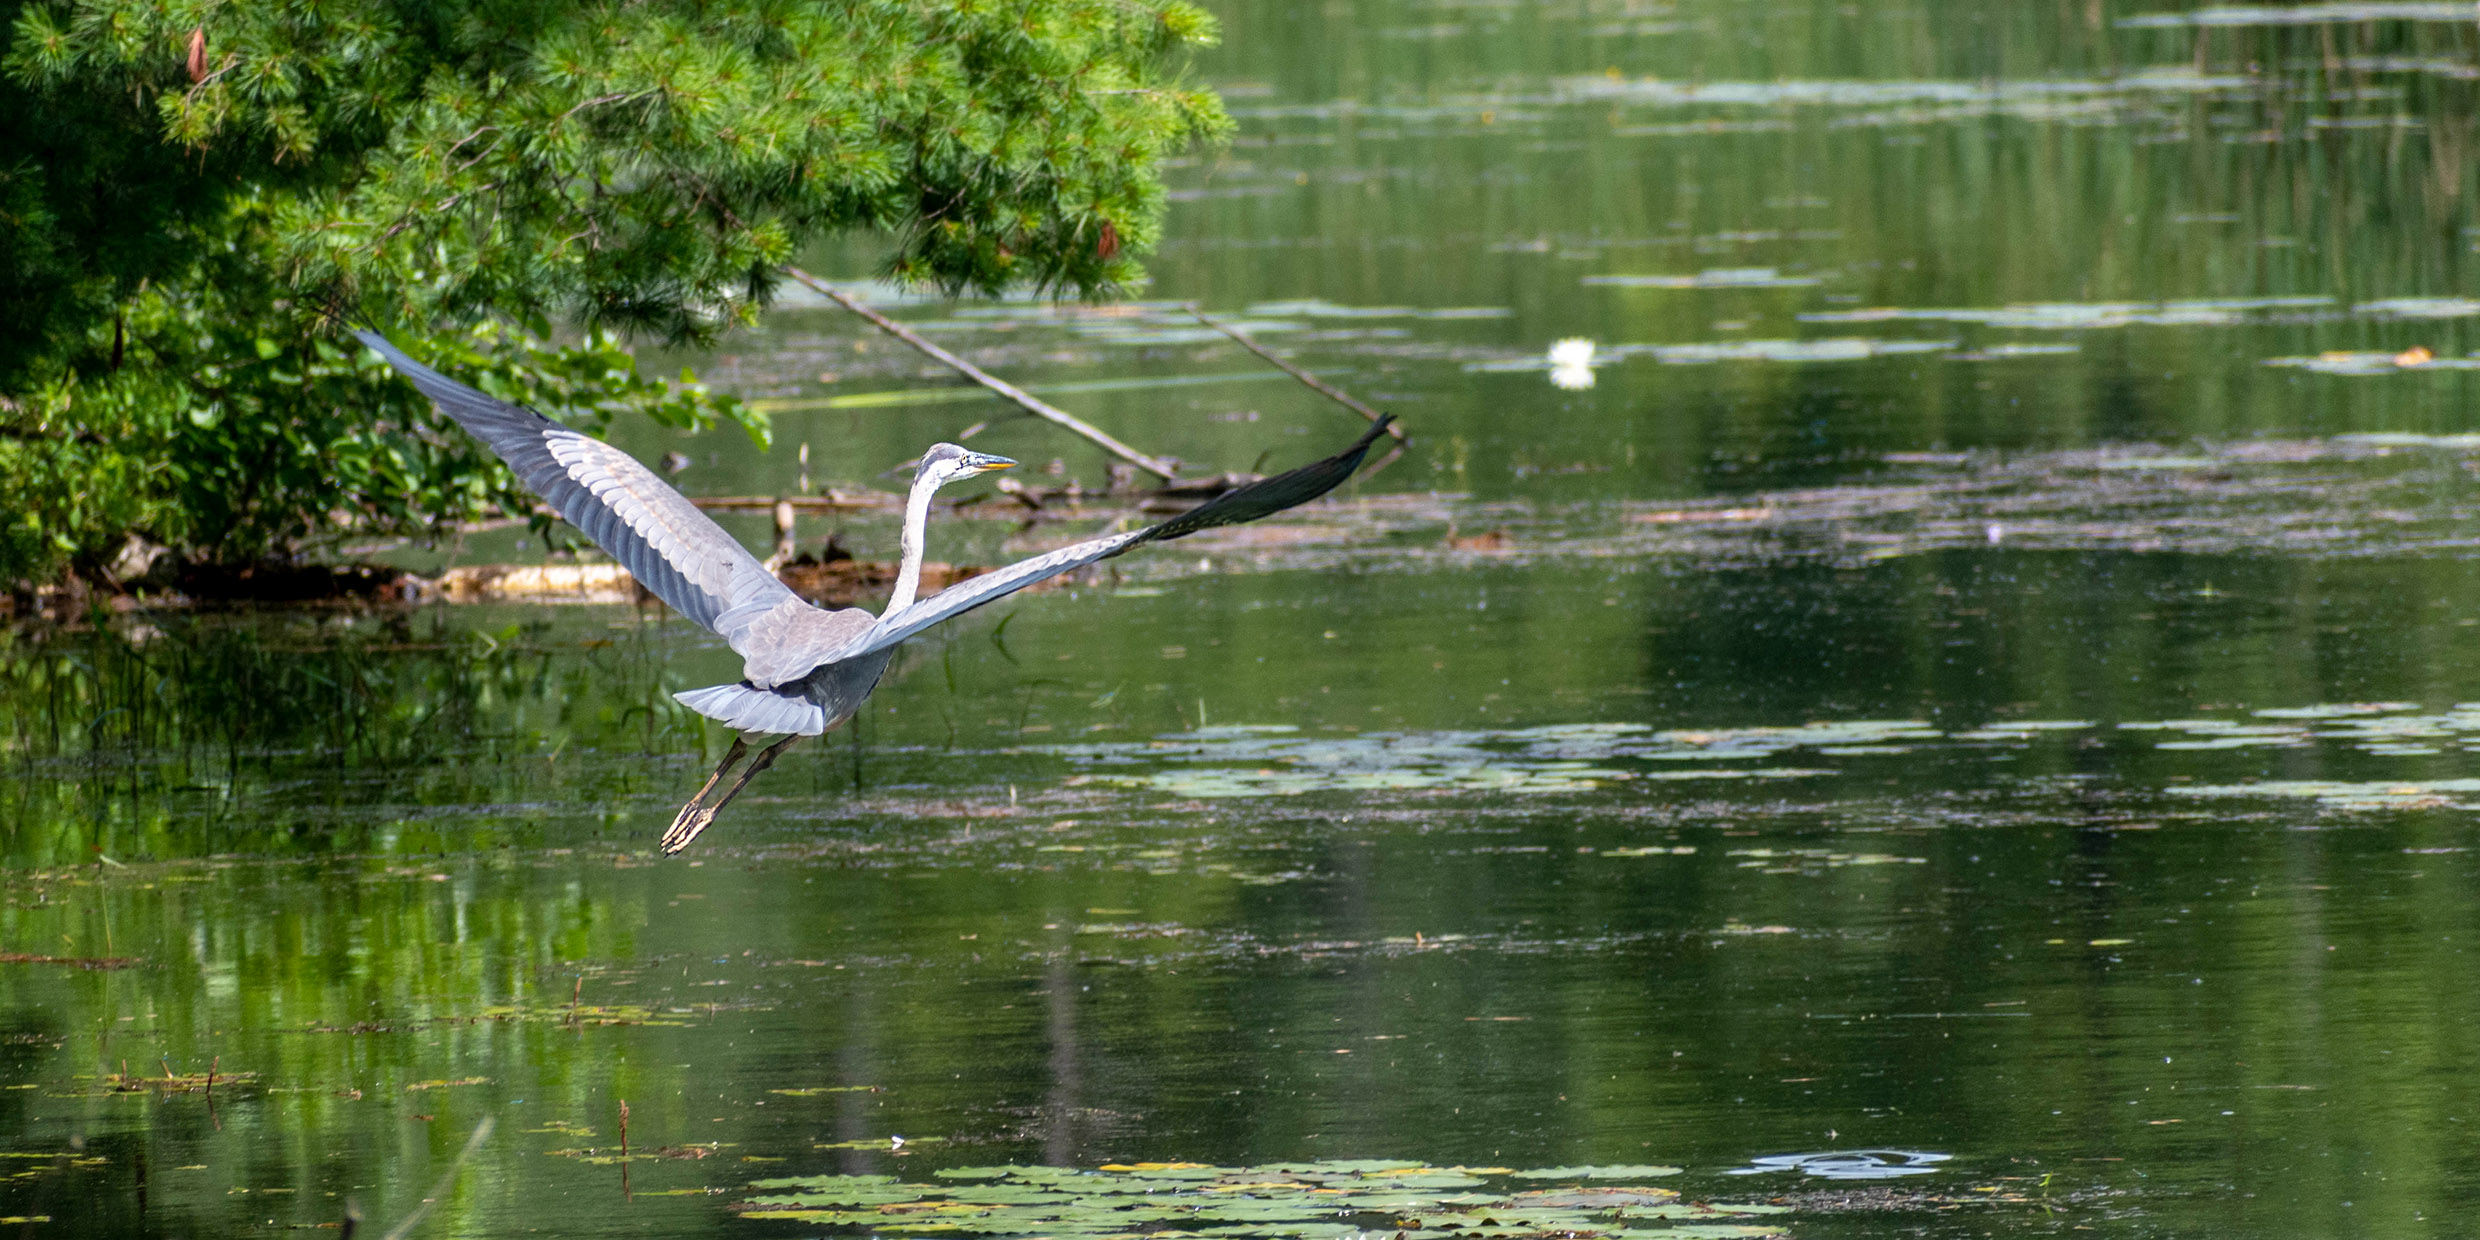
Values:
[(1315, 384), (1030, 403)]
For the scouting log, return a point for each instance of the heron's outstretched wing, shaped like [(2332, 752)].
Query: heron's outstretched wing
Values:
[(660, 537), (1261, 498)]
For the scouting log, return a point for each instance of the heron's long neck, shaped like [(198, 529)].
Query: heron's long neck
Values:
[(916, 528)]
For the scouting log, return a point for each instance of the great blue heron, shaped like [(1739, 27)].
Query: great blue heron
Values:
[(804, 669)]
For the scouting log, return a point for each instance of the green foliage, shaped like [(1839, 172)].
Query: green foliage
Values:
[(232, 435), (182, 184)]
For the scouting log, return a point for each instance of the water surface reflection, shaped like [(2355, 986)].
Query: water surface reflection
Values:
[(1991, 920), (1978, 684)]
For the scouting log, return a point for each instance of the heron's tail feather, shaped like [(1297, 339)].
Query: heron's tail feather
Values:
[(757, 710)]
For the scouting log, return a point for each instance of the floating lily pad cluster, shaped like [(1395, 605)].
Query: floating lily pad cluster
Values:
[(2387, 729), (1277, 760), (2352, 795), (1280, 760), (588, 1014), (1177, 1201), (2086, 315)]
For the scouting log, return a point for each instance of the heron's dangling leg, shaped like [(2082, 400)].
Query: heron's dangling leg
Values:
[(681, 819), (765, 759), (696, 818)]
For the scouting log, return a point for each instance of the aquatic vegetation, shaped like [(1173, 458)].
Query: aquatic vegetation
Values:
[(598, 1156), (1832, 349), (77, 962), (596, 1014), (1529, 761), (2362, 795), (2365, 363), (2085, 316), (1320, 308), (1332, 1198), (170, 1082), (1280, 760), (1711, 277), (2005, 94), (1805, 860), (2303, 14), (2012, 350), (2419, 307), (1462, 777)]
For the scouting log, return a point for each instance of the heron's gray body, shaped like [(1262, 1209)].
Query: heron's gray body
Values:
[(804, 669), (790, 679)]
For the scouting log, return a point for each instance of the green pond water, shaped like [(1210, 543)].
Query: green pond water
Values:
[(1961, 717)]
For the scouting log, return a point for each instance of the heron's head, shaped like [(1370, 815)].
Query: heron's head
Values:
[(945, 463)]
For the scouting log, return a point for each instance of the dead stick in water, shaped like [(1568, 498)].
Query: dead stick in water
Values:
[(1315, 384), (1023, 399), (1394, 455)]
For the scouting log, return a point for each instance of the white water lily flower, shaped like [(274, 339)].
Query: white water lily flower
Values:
[(1571, 364)]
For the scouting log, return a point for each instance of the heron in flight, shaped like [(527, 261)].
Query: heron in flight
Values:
[(804, 669)]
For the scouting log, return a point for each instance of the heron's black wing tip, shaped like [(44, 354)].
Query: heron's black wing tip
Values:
[(1268, 496)]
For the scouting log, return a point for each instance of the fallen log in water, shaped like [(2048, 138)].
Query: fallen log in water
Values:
[(539, 583), (836, 582)]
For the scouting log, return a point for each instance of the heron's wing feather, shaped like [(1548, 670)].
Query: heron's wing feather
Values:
[(1268, 496), (659, 537), (990, 587), (1261, 498)]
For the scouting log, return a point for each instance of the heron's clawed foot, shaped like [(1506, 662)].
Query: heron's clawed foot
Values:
[(694, 816), (697, 815), (692, 820)]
